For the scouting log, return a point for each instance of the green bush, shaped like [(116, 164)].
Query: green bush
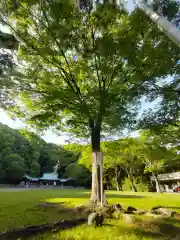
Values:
[(140, 185)]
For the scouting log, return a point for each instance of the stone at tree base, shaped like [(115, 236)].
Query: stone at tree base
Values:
[(177, 215), (47, 204), (128, 218), (156, 207), (95, 219), (154, 215), (119, 208), (107, 211), (140, 212), (131, 209), (82, 210), (87, 211), (164, 211)]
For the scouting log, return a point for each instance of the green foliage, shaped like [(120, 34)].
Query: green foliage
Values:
[(8, 43), (24, 152), (50, 154), (123, 152), (16, 157), (86, 157), (80, 174), (15, 166), (96, 80), (141, 186), (167, 8), (85, 72), (153, 153)]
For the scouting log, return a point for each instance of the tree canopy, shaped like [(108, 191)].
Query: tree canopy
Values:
[(101, 82), (85, 71)]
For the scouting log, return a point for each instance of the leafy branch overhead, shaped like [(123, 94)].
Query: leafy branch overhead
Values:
[(90, 68)]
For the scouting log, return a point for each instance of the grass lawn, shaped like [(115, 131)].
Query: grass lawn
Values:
[(22, 208)]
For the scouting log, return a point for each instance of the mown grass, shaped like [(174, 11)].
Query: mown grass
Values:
[(22, 208)]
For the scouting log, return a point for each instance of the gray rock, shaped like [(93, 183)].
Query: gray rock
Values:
[(119, 208), (131, 209), (164, 211), (128, 218), (154, 215), (156, 207), (108, 211), (46, 204), (80, 207), (95, 219), (140, 212)]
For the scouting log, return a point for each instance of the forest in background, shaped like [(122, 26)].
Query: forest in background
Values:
[(24, 152), (129, 163)]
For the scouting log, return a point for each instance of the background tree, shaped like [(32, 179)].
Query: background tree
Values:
[(50, 154), (155, 12), (123, 154), (81, 175), (80, 74), (24, 152), (15, 166), (154, 155), (14, 154), (167, 8)]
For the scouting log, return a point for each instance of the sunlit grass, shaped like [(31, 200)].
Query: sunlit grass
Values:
[(22, 208)]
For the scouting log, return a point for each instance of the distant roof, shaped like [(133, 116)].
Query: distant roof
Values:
[(169, 176), (49, 176), (30, 178)]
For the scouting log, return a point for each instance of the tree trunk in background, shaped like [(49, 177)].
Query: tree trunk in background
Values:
[(165, 26), (158, 189), (96, 165), (118, 181), (134, 189)]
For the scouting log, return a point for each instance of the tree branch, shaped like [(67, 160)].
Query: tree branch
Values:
[(64, 75), (67, 63), (97, 72)]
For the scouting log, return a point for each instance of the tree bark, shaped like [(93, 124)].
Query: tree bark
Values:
[(96, 168), (118, 182), (166, 26), (134, 189), (158, 188)]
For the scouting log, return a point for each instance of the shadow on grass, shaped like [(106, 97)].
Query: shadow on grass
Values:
[(145, 233), (86, 195), (156, 229), (124, 196), (173, 221), (177, 208)]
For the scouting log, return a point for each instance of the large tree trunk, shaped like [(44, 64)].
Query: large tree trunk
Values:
[(158, 188), (166, 26), (97, 193)]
